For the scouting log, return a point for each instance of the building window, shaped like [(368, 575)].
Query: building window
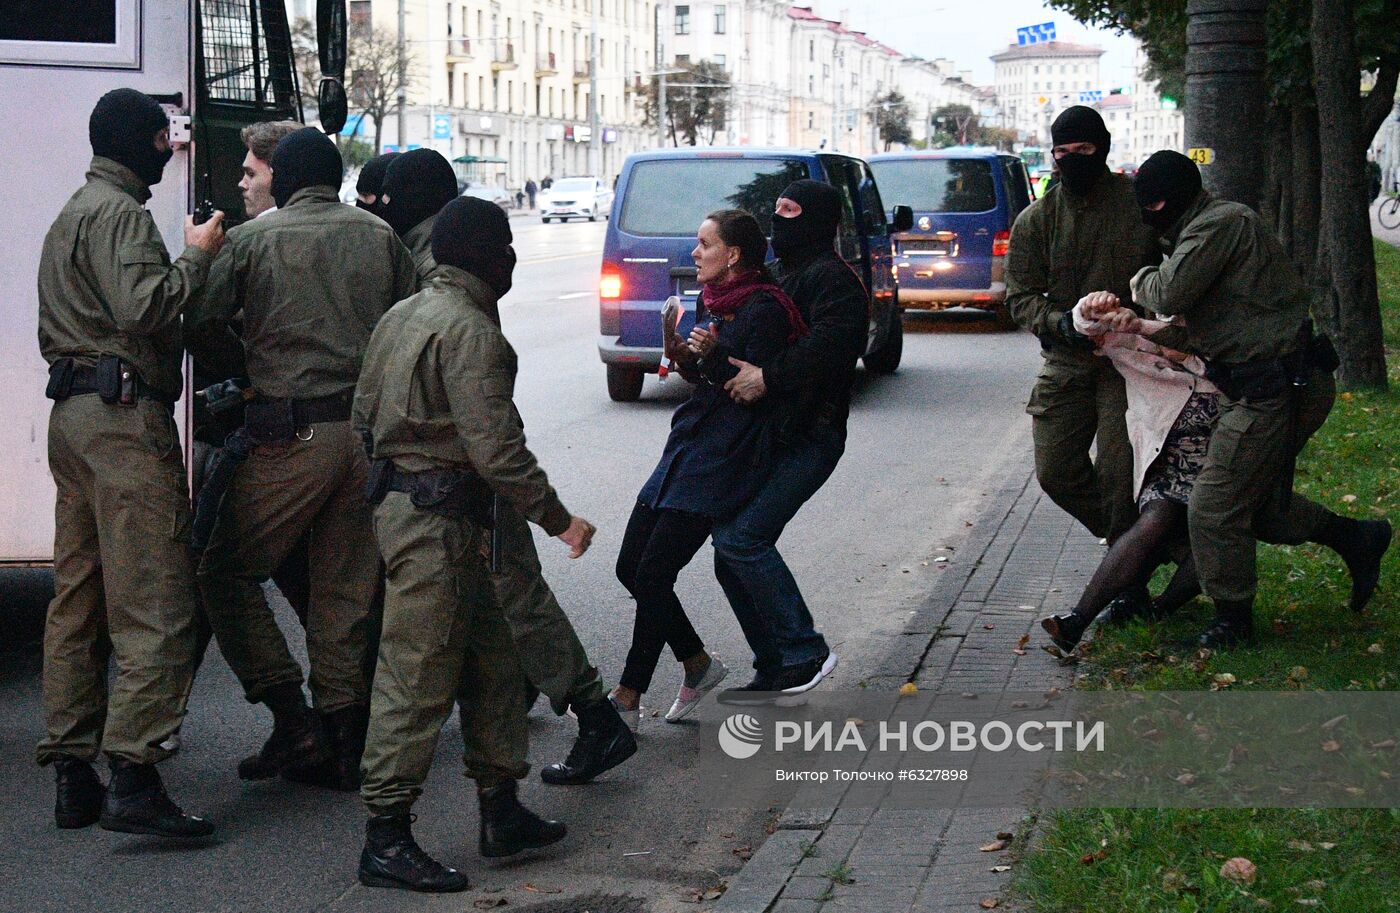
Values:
[(682, 60), (826, 71), (721, 60), (811, 122), (811, 50), (683, 20), (720, 10)]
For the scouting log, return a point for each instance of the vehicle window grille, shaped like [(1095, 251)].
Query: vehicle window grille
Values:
[(245, 46)]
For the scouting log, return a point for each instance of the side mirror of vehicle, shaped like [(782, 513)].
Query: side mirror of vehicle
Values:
[(332, 105), (902, 218)]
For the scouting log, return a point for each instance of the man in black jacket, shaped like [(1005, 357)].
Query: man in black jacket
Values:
[(815, 375)]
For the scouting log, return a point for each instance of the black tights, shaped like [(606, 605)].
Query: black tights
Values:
[(1135, 555)]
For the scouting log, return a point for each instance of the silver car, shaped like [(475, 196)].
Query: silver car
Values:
[(586, 198), (498, 195)]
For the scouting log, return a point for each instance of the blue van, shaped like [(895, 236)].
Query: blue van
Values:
[(965, 201), (664, 195)]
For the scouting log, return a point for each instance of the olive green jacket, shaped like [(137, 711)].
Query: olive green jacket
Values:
[(1229, 277), (106, 283), (436, 391), (1065, 246), (419, 241), (311, 279)]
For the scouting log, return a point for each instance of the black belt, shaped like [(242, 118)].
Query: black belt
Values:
[(455, 492), (80, 380), (336, 407), (268, 421)]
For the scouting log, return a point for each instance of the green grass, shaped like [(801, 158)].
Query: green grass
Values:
[(1168, 860)]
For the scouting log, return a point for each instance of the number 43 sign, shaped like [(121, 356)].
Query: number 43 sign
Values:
[(1201, 155)]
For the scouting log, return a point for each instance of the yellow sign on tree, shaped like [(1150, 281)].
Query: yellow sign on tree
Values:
[(1201, 155)]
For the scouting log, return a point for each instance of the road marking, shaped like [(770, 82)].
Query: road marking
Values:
[(591, 253), (573, 295)]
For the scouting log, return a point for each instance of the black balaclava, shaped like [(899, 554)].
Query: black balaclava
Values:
[(474, 235), (418, 184), (815, 229), (306, 158), (1078, 172), (371, 182), (123, 128), (1168, 176)]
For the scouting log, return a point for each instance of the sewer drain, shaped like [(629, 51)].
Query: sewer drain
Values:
[(588, 903)]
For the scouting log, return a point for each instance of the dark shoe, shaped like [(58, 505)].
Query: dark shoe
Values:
[(393, 859), (345, 730), (803, 677), (79, 801), (1065, 630), (296, 741), (758, 692), (1233, 625), (603, 742), (1129, 606), (1370, 540), (507, 827), (136, 803)]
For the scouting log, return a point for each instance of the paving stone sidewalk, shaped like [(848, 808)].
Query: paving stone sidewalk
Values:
[(1023, 558)]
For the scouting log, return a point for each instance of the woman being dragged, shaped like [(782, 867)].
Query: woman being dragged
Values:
[(1171, 412), (715, 459)]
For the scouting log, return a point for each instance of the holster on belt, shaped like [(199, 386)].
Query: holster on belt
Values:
[(113, 380), (456, 493)]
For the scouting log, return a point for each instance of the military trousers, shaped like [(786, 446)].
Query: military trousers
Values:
[(124, 586), (443, 640), (285, 492), (1242, 497), (1080, 401), (553, 658)]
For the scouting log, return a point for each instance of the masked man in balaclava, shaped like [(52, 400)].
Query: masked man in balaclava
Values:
[(311, 280), (435, 397), (810, 383), (1083, 236), (369, 186), (419, 184), (110, 302), (1246, 314)]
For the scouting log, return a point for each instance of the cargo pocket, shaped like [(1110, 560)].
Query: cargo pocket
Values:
[(1047, 384), (1230, 430)]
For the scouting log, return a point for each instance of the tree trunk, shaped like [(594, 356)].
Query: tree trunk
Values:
[(1276, 203), (1306, 190), (1351, 295), (378, 133)]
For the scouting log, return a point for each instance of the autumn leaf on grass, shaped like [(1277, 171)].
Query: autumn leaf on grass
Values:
[(1239, 870), (1091, 858), (1221, 680), (989, 903), (1331, 745)]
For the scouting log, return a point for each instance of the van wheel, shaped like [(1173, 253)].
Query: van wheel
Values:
[(885, 360), (624, 383), (545, 221)]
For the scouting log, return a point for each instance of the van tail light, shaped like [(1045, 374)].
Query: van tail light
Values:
[(1001, 243), (609, 305), (610, 285)]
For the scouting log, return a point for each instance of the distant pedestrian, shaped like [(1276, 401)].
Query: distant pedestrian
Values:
[(531, 189), (547, 183), (520, 199)]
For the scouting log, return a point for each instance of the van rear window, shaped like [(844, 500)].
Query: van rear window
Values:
[(937, 185), (670, 198)]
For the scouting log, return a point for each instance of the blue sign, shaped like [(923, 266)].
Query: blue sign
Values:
[(1035, 34), (354, 126), (442, 126), (1091, 97)]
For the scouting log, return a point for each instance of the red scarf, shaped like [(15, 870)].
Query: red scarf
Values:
[(723, 299)]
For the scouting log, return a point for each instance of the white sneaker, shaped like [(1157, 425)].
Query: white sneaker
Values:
[(688, 697)]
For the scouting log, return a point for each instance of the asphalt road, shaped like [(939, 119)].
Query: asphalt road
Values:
[(925, 447)]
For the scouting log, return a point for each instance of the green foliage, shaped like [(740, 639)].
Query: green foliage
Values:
[(956, 125), (891, 112)]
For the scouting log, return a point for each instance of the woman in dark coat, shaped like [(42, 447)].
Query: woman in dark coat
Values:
[(715, 459)]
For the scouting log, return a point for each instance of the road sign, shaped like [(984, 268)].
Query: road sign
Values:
[(1035, 34), (1090, 97), (442, 126), (1201, 155)]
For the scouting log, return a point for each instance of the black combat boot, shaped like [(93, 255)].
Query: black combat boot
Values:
[(136, 803), (603, 742), (392, 859), (507, 827), (1361, 543), (79, 801), (1065, 630), (296, 740), (345, 730), (1233, 624)]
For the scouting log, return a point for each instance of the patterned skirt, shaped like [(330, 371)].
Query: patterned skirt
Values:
[(1172, 475)]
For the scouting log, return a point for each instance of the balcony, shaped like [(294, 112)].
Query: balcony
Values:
[(459, 47), (503, 58), (545, 64), (633, 86), (583, 70)]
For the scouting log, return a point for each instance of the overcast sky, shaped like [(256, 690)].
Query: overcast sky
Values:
[(970, 31)]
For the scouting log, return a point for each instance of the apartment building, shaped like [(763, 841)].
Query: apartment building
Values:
[(1035, 82), (509, 80), (1157, 122)]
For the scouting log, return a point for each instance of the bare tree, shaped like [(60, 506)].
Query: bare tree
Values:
[(697, 102)]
